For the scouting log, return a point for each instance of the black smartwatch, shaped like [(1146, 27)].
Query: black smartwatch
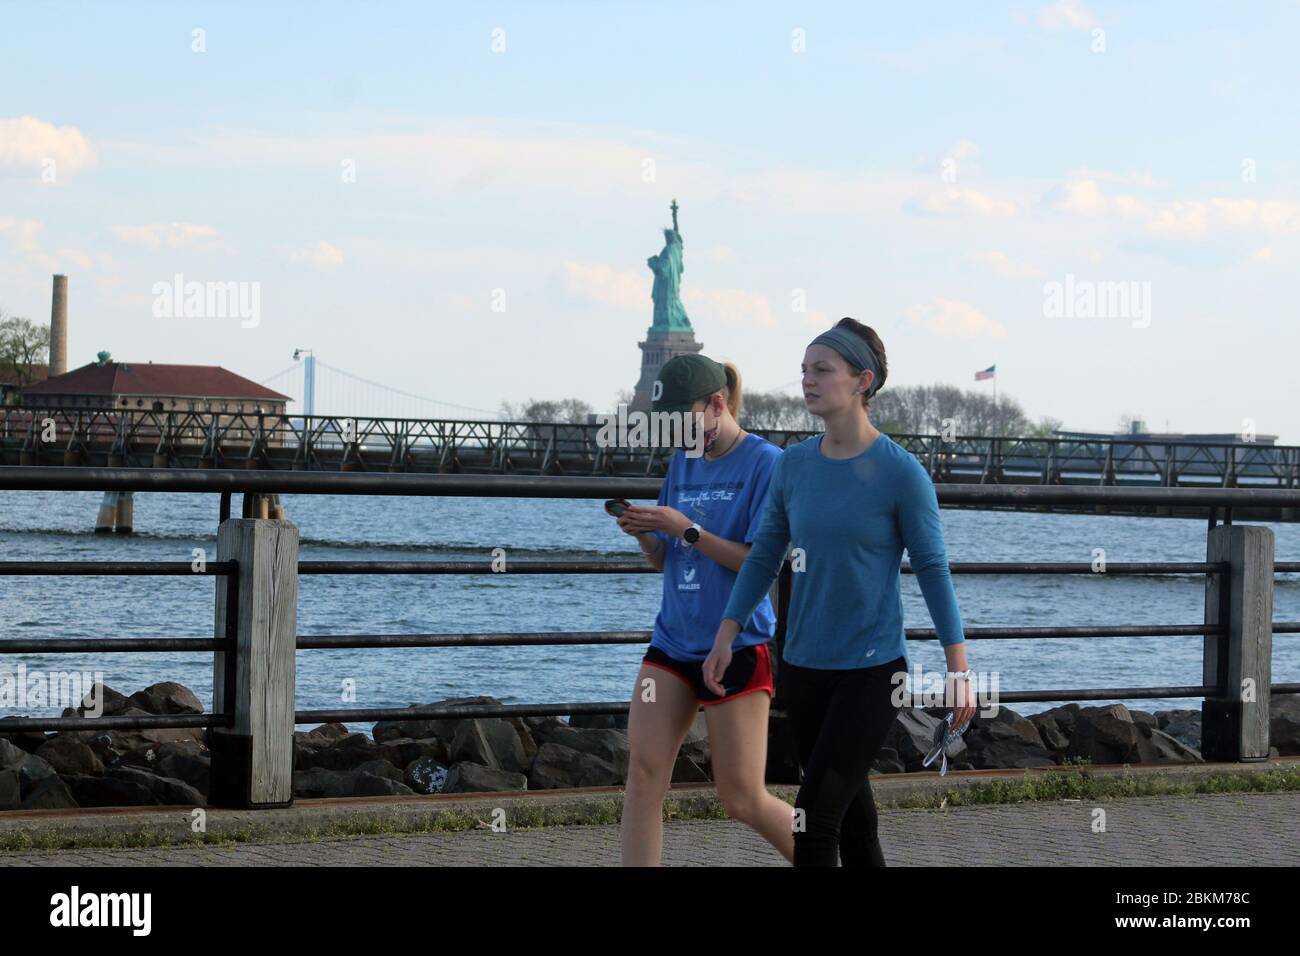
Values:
[(692, 534)]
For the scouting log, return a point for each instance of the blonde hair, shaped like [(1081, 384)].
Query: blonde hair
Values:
[(732, 391)]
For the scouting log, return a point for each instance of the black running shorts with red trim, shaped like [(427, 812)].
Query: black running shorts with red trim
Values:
[(750, 670)]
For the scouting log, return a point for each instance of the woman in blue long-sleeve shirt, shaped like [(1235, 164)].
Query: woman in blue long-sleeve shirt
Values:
[(849, 500)]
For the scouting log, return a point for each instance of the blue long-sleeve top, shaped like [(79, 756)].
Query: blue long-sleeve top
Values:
[(849, 520)]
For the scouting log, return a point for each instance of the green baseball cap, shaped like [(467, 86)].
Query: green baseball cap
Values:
[(683, 380)]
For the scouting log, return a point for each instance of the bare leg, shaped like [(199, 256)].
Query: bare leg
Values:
[(738, 738), (655, 730)]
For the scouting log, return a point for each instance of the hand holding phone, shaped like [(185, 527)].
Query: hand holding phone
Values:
[(618, 507)]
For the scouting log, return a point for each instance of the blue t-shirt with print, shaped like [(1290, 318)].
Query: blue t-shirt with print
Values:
[(726, 497)]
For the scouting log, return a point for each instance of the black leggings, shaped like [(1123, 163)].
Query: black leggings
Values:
[(840, 719)]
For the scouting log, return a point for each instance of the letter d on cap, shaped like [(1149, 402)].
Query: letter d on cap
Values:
[(657, 390)]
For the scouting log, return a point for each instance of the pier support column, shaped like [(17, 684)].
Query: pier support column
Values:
[(263, 506), (252, 761), (1235, 726), (107, 513), (125, 512), (116, 512)]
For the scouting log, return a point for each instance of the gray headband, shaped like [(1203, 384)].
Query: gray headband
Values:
[(854, 350)]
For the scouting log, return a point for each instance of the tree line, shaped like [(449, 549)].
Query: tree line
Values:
[(905, 410), (23, 345)]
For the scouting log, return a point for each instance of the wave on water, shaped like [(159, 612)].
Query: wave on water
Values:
[(1284, 580), (483, 548), (344, 544), (83, 532)]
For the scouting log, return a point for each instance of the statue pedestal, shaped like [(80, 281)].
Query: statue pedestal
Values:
[(657, 349)]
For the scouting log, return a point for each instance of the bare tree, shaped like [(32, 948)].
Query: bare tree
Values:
[(568, 411), (777, 411), (1045, 427), (22, 345), (906, 410), (1127, 423)]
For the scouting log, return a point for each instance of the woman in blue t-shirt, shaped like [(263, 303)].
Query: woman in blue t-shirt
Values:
[(698, 535), (850, 500)]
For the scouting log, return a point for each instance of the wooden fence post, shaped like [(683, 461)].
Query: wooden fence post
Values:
[(1238, 661), (252, 761)]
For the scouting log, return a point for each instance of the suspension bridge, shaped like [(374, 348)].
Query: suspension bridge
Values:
[(341, 393)]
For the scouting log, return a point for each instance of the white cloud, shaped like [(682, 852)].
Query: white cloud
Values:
[(1180, 220), (620, 288), (955, 200), (1085, 196), (1066, 15), (154, 236), (29, 142), (1143, 179), (470, 157), (1189, 219), (953, 319), (323, 255), (86, 261), (533, 160), (25, 234), (730, 306), (625, 289), (1270, 215), (1004, 265)]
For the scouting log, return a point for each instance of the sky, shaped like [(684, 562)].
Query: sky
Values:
[(457, 200)]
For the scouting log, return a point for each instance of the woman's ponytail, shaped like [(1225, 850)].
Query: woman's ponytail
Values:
[(733, 389)]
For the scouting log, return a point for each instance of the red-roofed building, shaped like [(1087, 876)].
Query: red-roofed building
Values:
[(146, 386)]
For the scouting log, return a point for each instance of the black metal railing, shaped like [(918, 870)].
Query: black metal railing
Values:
[(1219, 575), (244, 437)]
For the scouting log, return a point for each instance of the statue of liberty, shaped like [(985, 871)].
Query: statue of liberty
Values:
[(670, 314)]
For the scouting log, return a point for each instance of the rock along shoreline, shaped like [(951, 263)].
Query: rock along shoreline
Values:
[(476, 755)]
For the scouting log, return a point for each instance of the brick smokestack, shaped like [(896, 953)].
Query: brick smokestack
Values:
[(59, 327)]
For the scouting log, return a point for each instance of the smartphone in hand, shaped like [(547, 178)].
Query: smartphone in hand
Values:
[(616, 506)]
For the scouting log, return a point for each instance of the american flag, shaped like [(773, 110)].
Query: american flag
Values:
[(987, 373)]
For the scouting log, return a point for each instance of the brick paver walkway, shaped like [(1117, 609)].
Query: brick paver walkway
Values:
[(1250, 829)]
